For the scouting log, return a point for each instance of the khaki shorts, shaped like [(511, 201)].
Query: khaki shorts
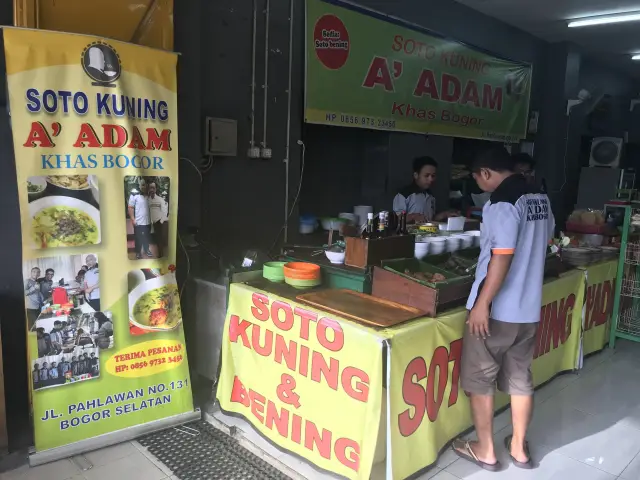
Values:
[(504, 358)]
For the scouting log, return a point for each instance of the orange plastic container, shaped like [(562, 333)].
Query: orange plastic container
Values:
[(302, 271)]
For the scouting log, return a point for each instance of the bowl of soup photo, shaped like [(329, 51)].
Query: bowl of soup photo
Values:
[(154, 305), (63, 222), (72, 182)]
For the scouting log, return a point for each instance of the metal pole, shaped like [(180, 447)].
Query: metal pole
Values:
[(288, 144)]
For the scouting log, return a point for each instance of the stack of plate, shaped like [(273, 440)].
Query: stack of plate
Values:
[(273, 271), (578, 256), (302, 275)]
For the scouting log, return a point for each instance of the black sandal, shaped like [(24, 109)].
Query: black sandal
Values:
[(465, 452), (528, 465)]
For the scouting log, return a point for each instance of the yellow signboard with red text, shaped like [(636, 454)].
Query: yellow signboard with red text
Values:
[(308, 383), (427, 406), (599, 297)]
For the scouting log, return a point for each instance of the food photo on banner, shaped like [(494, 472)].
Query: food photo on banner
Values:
[(154, 302), (65, 210), (74, 153), (147, 200)]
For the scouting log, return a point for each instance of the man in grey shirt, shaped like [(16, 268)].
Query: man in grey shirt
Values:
[(33, 298), (138, 209), (504, 306)]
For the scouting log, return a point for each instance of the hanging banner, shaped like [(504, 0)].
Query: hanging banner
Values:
[(428, 407), (369, 70), (94, 126), (307, 382), (601, 287)]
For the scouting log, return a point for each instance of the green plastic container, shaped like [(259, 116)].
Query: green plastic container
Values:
[(339, 276), (303, 283), (273, 271)]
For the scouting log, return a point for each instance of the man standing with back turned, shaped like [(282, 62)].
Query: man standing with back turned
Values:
[(504, 306)]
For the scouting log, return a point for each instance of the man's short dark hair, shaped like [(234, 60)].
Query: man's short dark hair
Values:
[(421, 162), (524, 158), (495, 158), (46, 272)]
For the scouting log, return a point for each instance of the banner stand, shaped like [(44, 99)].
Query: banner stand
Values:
[(111, 438), (94, 127)]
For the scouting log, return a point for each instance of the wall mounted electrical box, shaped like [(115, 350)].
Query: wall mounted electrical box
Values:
[(221, 137)]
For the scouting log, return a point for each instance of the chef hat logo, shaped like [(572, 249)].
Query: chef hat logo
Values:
[(101, 62)]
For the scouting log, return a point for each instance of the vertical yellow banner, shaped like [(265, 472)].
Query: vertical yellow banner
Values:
[(94, 127)]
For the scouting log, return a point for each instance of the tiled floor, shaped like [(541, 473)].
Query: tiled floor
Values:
[(585, 427)]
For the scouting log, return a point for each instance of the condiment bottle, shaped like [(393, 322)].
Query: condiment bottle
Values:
[(381, 225)]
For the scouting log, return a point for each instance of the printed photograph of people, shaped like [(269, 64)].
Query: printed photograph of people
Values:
[(57, 286), (64, 333), (81, 363), (65, 210), (147, 200)]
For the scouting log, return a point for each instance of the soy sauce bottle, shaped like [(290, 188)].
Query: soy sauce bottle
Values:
[(403, 223)]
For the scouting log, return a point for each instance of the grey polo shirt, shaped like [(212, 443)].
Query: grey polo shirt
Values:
[(516, 220), (412, 199)]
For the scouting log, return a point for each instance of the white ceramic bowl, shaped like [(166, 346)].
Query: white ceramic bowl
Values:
[(466, 240), (453, 244), (437, 245), (421, 250), (476, 236), (335, 257)]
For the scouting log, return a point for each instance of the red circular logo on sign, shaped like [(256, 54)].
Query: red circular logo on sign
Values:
[(331, 41)]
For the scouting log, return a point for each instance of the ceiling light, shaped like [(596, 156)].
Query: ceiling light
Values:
[(606, 19), (636, 57)]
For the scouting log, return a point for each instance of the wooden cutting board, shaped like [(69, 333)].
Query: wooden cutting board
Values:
[(361, 307)]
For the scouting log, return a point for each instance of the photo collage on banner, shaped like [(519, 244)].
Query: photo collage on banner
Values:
[(94, 126)]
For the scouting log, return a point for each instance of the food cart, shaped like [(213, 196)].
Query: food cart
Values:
[(321, 375)]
